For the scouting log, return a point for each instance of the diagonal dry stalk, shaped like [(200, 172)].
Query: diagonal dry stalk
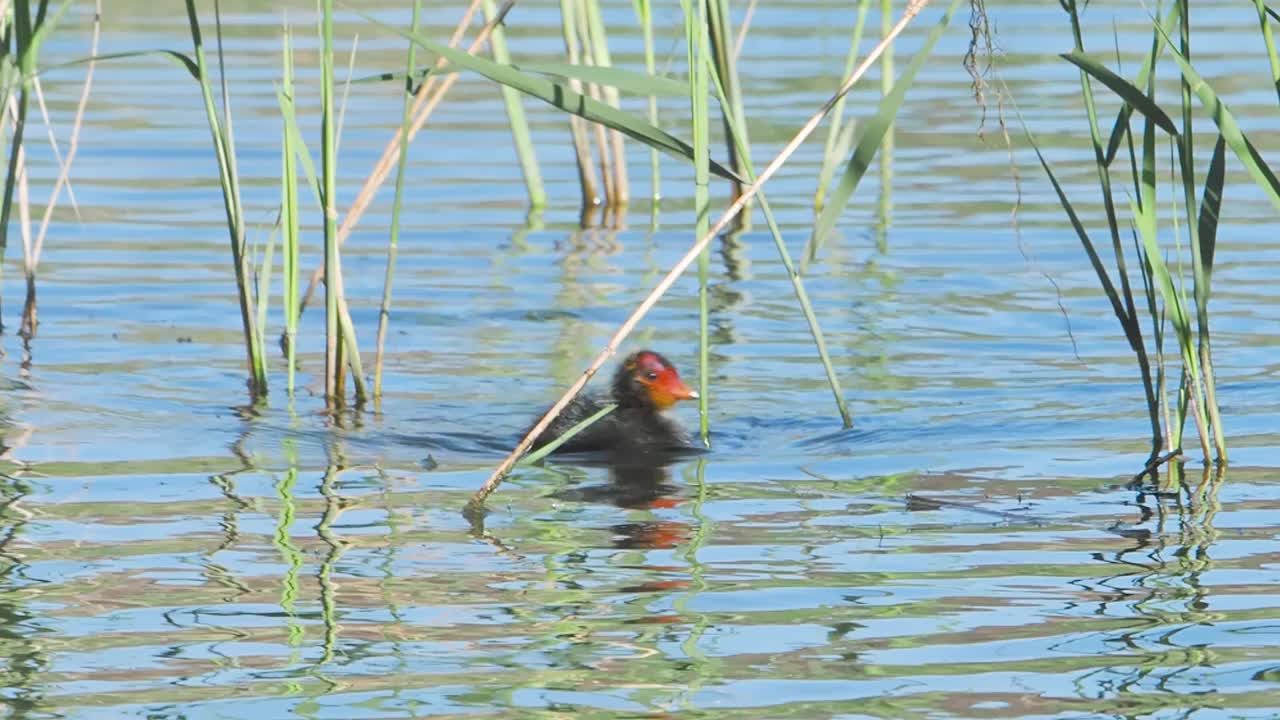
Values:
[(912, 10), (32, 260), (38, 92), (742, 31), (424, 104)]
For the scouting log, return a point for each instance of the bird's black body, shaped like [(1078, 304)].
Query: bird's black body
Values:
[(636, 426)]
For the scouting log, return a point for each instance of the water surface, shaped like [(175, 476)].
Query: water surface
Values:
[(971, 548)]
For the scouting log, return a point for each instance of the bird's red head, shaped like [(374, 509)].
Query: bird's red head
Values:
[(653, 377)]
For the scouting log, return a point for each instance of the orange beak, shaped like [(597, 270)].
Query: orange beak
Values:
[(668, 389)]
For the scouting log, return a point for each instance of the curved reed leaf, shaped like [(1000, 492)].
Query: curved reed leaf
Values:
[(180, 59), (1211, 204), (1126, 111), (560, 97), (1094, 258), (1127, 91), (1268, 39), (875, 130), (626, 80), (27, 60), (1227, 125), (797, 283)]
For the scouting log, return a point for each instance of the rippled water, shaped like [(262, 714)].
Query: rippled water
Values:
[(972, 548)]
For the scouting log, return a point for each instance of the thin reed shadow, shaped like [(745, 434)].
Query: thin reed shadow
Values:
[(26, 662), (229, 521), (334, 506)]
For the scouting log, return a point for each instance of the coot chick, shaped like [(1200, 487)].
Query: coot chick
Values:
[(644, 386)]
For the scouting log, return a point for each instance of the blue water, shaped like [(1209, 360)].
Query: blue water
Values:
[(972, 547)]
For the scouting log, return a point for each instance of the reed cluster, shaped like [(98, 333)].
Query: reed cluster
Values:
[(1158, 298), (1147, 291)]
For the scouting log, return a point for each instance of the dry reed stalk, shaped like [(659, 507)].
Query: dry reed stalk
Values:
[(424, 103), (742, 31), (38, 89), (578, 126), (495, 479), (29, 321)]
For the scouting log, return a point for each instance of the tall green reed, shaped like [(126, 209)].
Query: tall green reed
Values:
[(1197, 396), (21, 37), (725, 64), (698, 50), (797, 283), (289, 219), (533, 181), (837, 132), (224, 150), (515, 113), (341, 349), (1268, 38)]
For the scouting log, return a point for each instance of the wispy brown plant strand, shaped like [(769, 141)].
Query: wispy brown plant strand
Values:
[(913, 9)]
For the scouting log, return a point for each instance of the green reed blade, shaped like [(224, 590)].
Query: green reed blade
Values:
[(554, 445), (1186, 156), (181, 60), (289, 211), (1180, 319), (1222, 116), (1104, 277), (393, 240), (302, 152), (1126, 90), (1268, 38), (884, 201), (1210, 206), (626, 80), (230, 183), (874, 132), (341, 349), (724, 66), (561, 97), (698, 48), (35, 35), (1145, 221), (515, 116), (830, 149), (333, 368), (1157, 334), (1126, 111), (262, 296), (797, 283), (1133, 330), (22, 37)]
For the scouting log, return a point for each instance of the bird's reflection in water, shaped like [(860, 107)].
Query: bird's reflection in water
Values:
[(641, 486)]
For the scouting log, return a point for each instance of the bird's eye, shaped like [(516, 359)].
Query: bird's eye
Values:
[(651, 375)]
